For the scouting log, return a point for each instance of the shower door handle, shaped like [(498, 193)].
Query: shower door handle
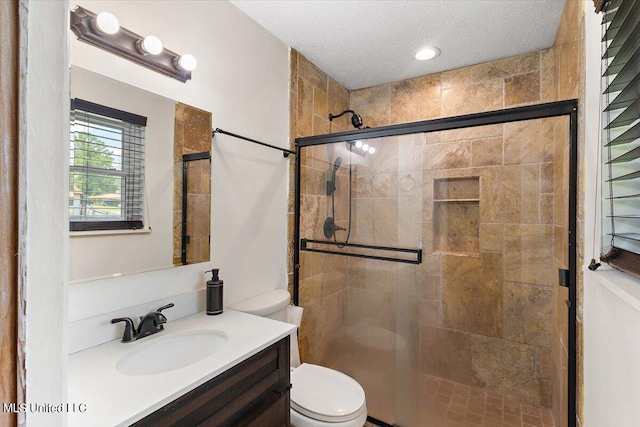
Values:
[(563, 277)]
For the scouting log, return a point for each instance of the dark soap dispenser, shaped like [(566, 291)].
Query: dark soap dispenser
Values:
[(214, 294)]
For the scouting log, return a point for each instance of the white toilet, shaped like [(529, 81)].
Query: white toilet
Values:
[(320, 397)]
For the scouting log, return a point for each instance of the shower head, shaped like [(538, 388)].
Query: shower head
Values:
[(356, 119), (331, 184), (336, 164)]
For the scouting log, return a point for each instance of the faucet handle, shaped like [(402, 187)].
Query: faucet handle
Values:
[(129, 331), (164, 307)]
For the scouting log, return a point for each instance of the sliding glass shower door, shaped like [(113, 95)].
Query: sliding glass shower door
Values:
[(428, 270)]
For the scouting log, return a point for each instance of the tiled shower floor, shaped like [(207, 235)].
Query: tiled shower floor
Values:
[(448, 404)]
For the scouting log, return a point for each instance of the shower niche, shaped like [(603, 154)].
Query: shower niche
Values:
[(456, 211)]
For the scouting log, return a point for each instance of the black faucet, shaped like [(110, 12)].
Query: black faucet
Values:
[(150, 324)]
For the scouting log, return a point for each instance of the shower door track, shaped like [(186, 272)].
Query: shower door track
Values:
[(531, 112)]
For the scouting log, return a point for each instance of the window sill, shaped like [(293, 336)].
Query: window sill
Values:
[(94, 233), (625, 286)]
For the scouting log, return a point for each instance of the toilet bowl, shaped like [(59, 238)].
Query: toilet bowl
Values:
[(320, 397)]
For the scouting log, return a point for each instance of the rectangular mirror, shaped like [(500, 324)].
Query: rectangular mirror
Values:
[(167, 231)]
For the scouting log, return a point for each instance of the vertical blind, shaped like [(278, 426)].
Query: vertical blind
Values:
[(621, 133), (106, 179)]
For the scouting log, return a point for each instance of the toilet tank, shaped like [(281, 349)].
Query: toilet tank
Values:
[(272, 304)]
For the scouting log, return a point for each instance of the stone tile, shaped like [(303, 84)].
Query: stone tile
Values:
[(507, 67), (528, 254), (415, 99), (293, 118), (476, 132), (410, 151), (491, 237), (410, 221), (449, 155), (458, 77), (486, 152), (546, 208), (529, 141), (474, 98), (506, 367), (431, 312), (456, 227), (385, 220), (384, 185), (320, 125), (375, 115), (385, 159), (293, 70), (522, 89), (320, 103), (371, 95), (546, 177), (528, 314), (445, 353), (304, 109), (548, 89), (311, 73), (430, 286), (510, 194), (472, 293)]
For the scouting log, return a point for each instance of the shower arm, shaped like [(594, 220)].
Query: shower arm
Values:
[(356, 119), (331, 116)]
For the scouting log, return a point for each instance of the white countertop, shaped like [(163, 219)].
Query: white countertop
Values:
[(114, 399)]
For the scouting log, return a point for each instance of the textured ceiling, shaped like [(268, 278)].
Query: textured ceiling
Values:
[(366, 43)]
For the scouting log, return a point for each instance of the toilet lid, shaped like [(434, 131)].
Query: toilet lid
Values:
[(324, 394)]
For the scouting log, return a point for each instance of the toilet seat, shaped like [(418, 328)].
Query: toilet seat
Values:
[(325, 394)]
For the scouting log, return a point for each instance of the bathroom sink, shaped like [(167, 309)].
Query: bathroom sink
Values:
[(171, 352)]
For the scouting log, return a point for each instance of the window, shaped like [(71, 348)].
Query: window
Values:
[(106, 165), (621, 134)]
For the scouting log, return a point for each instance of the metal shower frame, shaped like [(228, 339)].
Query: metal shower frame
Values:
[(540, 111)]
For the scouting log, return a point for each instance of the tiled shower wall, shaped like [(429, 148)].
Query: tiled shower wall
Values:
[(313, 95)]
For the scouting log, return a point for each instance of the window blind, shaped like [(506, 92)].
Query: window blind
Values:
[(621, 133), (106, 175)]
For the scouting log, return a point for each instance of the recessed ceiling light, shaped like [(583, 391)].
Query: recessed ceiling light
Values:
[(427, 53)]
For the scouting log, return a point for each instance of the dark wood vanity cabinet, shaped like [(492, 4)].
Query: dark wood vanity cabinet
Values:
[(253, 393)]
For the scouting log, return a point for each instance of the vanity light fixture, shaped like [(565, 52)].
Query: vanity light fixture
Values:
[(187, 62), (104, 31), (427, 53), (150, 45), (106, 23)]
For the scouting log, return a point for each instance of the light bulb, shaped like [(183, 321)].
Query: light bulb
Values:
[(427, 53), (358, 144), (152, 45), (106, 23), (365, 147), (372, 150), (187, 62)]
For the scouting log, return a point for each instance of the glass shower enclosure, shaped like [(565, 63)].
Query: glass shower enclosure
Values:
[(434, 260)]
